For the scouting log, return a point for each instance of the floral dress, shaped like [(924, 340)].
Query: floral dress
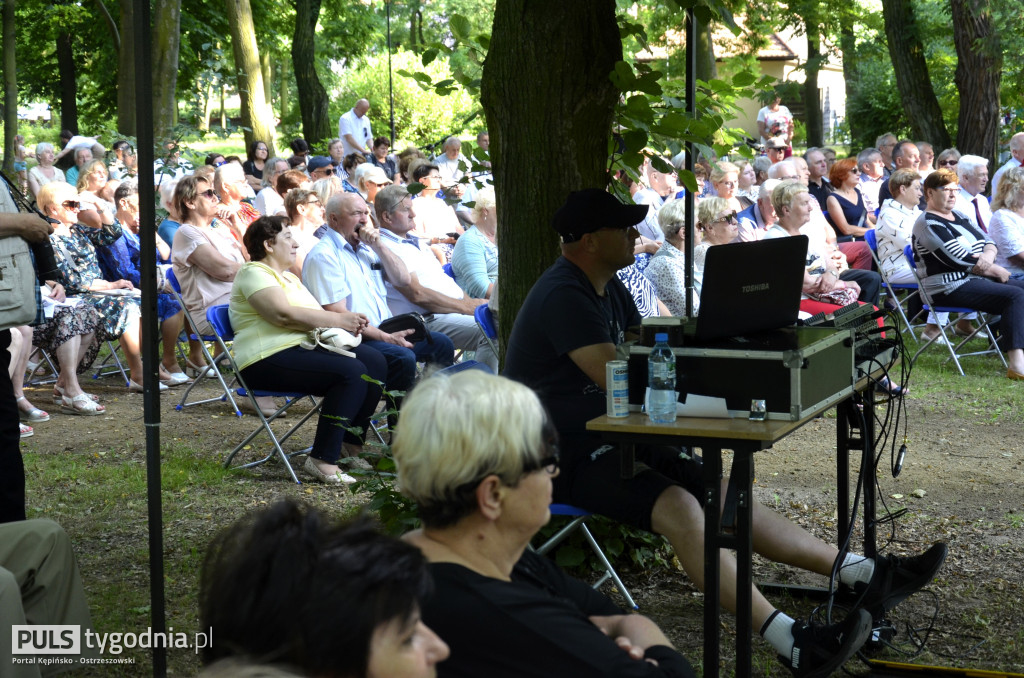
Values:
[(67, 323), (79, 267), (121, 261)]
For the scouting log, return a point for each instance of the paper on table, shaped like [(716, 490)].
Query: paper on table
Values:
[(703, 406)]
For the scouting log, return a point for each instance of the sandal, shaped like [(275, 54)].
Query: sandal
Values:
[(82, 405), (26, 431), (34, 415), (58, 395), (196, 371)]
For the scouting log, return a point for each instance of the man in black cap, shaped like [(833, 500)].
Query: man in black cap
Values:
[(320, 167), (566, 331)]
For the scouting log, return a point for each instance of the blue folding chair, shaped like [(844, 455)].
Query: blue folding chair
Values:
[(891, 288), (204, 374), (485, 321), (218, 318), (954, 351), (448, 270), (578, 522)]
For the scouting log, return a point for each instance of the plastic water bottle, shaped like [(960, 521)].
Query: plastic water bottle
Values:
[(661, 378)]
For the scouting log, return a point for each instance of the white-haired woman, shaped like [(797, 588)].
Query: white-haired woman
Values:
[(229, 182), (268, 201), (44, 172), (725, 178), (667, 270), (475, 258), (482, 483), (1007, 225)]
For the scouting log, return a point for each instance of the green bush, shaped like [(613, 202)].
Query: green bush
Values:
[(421, 116)]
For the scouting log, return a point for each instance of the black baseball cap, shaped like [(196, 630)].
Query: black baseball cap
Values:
[(318, 162), (592, 209)]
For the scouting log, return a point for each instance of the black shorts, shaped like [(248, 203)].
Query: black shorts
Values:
[(595, 484)]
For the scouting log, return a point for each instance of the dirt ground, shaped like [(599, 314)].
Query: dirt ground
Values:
[(960, 483)]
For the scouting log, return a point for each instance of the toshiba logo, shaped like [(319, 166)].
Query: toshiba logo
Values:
[(759, 287)]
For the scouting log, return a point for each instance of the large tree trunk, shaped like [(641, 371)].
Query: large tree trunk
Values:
[(166, 41), (911, 71), (978, 74), (68, 85), (256, 115), (706, 67), (812, 95), (316, 124), (268, 78), (528, 104), (284, 97), (126, 71), (10, 88)]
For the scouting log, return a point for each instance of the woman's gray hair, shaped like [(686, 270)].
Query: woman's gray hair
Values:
[(167, 187), (42, 147), (457, 430), (270, 170), (1010, 193), (359, 175), (672, 217), (485, 199)]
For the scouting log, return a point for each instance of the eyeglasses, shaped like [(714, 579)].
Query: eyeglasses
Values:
[(728, 218), (855, 171), (314, 201), (326, 170), (549, 463), (209, 193), (948, 163), (71, 204), (951, 191)]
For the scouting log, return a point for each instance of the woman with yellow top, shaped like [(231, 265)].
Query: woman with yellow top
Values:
[(272, 313)]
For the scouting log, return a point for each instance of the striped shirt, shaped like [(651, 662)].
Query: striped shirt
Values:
[(945, 251)]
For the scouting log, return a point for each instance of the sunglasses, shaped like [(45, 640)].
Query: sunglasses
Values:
[(326, 170), (220, 162), (549, 464), (948, 163), (728, 218), (209, 193), (71, 204)]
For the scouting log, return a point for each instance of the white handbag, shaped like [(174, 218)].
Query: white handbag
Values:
[(333, 339)]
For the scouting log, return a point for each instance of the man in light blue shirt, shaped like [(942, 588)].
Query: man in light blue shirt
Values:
[(346, 270)]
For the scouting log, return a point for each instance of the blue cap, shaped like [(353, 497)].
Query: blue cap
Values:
[(661, 336)]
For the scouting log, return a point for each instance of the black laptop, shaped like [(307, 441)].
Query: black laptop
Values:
[(751, 287)]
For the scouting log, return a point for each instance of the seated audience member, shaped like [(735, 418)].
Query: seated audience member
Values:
[(775, 149), (300, 148), (453, 166), (381, 159), (255, 164), (91, 181), (640, 288), (565, 332), (297, 163), (305, 214), (904, 156), (229, 183), (667, 268), (892, 232), (1007, 225), (759, 217), (122, 259), (368, 180), (818, 184), (169, 226), (312, 571), (320, 167), (336, 149), (348, 165), (74, 245), (205, 258), (287, 181), (482, 484), (430, 292), (475, 257), (347, 270), (746, 182), (83, 156), (761, 166), (44, 172), (872, 174), (948, 159), (1016, 159), (956, 264), (725, 179), (435, 218), (830, 157), (268, 201), (662, 186), (171, 165), (718, 225), (40, 584), (845, 204), (405, 159), (926, 165), (971, 203), (215, 160), (271, 314)]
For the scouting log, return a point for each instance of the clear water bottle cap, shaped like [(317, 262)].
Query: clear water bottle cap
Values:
[(661, 337)]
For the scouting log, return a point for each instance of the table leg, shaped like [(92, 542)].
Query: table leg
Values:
[(712, 573), (742, 477)]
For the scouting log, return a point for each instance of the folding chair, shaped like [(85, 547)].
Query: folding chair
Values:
[(485, 321), (43, 371), (449, 271), (578, 522), (221, 323), (103, 369), (891, 288), (954, 353), (202, 339)]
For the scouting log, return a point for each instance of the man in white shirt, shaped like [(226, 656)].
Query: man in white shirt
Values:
[(430, 292), (970, 203), (1016, 159), (354, 129), (872, 174)]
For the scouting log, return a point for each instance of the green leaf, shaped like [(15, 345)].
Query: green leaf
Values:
[(622, 77), (428, 56), (659, 163), (688, 180), (414, 187), (635, 140), (569, 556), (744, 79), (460, 26), (484, 41)]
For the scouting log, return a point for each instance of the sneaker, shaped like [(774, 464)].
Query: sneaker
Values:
[(819, 649), (896, 578), (937, 338)]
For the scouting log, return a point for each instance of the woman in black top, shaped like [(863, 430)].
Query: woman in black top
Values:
[(253, 167)]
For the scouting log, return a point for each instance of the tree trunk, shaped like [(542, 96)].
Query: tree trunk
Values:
[(978, 75), (223, 109), (10, 87), (126, 71), (284, 98), (313, 102), (911, 71), (203, 124), (528, 104), (166, 41), (268, 78), (812, 95), (706, 67), (256, 115), (851, 72), (68, 86)]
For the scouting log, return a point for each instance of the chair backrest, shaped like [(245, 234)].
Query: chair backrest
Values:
[(871, 239), (449, 271), (173, 279), (908, 252), (218, 318), (463, 366), (484, 316)]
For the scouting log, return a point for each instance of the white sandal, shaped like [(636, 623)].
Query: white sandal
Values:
[(58, 394), (35, 415), (26, 431), (81, 405)]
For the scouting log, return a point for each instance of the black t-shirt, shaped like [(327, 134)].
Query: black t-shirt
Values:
[(562, 313), (249, 167), (536, 625), (821, 192)]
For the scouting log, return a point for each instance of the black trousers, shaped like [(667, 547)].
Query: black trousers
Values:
[(1006, 299), (12, 470)]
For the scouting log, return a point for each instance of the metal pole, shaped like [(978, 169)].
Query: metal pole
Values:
[(391, 88), (150, 334), (691, 108)]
